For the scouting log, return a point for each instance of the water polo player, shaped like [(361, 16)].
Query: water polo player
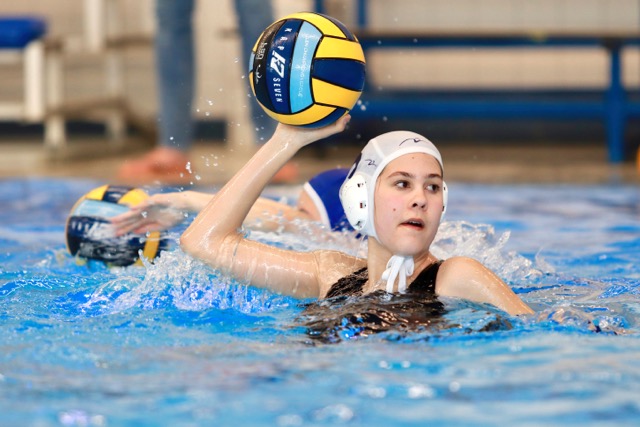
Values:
[(318, 201), (398, 202)]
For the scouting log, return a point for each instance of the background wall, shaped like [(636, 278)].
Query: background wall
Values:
[(221, 71), (218, 49), (465, 68)]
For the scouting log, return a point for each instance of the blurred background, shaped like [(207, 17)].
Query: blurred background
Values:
[(511, 90)]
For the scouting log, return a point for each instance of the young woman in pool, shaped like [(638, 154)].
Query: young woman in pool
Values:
[(318, 201), (394, 194)]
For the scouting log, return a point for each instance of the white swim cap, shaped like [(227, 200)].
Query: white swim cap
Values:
[(356, 194)]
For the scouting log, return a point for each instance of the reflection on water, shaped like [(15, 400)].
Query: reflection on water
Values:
[(345, 318), (177, 343)]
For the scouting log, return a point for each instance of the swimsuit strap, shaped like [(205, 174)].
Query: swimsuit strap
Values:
[(426, 280), (353, 284)]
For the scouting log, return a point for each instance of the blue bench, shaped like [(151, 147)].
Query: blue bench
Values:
[(21, 42), (17, 32), (614, 106)]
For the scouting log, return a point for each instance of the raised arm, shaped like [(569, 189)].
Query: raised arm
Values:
[(467, 278), (215, 235)]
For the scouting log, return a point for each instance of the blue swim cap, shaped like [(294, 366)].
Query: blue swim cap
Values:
[(324, 190)]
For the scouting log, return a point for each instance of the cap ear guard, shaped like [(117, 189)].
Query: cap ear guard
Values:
[(445, 199), (353, 195)]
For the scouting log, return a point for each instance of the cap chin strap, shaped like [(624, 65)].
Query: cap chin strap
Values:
[(398, 267)]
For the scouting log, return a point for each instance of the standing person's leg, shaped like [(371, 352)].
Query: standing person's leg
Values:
[(254, 16), (175, 77)]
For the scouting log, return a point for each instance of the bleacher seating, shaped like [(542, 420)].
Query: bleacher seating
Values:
[(21, 43), (614, 105)]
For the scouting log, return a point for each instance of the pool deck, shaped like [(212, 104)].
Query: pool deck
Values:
[(213, 162)]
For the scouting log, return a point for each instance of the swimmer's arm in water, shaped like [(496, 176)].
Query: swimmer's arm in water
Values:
[(215, 235), (467, 278), (160, 212), (165, 210)]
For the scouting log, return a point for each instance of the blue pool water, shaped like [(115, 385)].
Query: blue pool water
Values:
[(176, 344)]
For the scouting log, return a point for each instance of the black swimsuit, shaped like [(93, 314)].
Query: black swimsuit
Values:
[(346, 313), (353, 283)]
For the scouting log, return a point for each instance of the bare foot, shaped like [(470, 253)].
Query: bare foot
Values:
[(162, 165), (288, 174)]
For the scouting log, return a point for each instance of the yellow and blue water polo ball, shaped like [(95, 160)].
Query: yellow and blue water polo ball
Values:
[(89, 233), (307, 69)]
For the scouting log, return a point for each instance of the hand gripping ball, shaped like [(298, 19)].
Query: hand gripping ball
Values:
[(90, 235), (307, 69)]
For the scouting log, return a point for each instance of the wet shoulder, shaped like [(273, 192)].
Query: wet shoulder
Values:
[(333, 266), (455, 271)]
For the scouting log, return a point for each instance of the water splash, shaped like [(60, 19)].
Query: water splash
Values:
[(305, 236), (481, 242), (568, 317), (176, 280)]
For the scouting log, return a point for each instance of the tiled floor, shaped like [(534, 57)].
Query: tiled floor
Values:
[(213, 163)]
